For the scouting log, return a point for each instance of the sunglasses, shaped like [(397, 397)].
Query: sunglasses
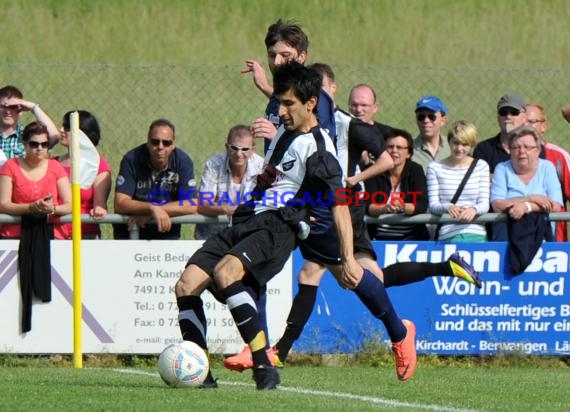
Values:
[(165, 143), (15, 107), (34, 144), (422, 116), (239, 149), (505, 111), (396, 147)]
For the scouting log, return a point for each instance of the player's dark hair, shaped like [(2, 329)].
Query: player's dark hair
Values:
[(288, 32), (401, 133), (303, 81), (87, 123), (324, 69), (10, 91), (161, 122), (33, 129)]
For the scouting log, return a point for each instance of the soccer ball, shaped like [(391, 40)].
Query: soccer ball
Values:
[(183, 365)]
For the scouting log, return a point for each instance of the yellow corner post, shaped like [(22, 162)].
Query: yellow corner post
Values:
[(76, 241)]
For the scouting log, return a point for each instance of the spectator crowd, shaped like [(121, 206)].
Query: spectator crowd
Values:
[(430, 173)]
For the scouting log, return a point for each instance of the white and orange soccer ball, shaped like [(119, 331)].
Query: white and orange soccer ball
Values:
[(183, 365)]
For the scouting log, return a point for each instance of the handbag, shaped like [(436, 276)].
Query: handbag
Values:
[(455, 197)]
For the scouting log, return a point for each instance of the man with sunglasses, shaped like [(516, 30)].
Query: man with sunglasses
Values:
[(510, 115), (227, 177), (430, 144), (155, 182), (12, 106)]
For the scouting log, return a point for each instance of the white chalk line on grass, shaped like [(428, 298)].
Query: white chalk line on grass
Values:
[(368, 399)]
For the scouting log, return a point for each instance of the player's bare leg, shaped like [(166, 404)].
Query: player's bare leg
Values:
[(191, 316)]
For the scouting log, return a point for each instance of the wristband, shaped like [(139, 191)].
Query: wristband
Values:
[(34, 107), (528, 207)]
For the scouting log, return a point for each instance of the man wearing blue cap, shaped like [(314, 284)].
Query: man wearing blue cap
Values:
[(430, 144)]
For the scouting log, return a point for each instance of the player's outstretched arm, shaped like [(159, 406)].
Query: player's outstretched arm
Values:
[(259, 77), (381, 165)]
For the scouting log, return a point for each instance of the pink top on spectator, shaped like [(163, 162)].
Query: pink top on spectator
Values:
[(25, 190), (86, 202)]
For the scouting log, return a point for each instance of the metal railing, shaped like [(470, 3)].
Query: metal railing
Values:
[(421, 218)]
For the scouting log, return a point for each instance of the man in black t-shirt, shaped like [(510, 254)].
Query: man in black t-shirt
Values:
[(510, 115)]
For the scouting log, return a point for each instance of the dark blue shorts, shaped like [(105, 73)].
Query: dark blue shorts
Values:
[(323, 247)]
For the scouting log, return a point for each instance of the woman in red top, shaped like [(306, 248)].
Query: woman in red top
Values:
[(34, 184), (93, 199)]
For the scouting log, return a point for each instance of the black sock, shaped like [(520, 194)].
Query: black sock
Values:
[(192, 320), (373, 294), (404, 273), (243, 309), (259, 295), (260, 304), (299, 315)]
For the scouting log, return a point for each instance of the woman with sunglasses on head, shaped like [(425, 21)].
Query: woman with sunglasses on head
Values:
[(34, 184), (93, 199), (459, 185), (227, 177)]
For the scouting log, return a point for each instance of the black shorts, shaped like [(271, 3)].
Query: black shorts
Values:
[(263, 243), (324, 248)]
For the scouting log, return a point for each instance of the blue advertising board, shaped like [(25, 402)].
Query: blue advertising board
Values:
[(527, 313)]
